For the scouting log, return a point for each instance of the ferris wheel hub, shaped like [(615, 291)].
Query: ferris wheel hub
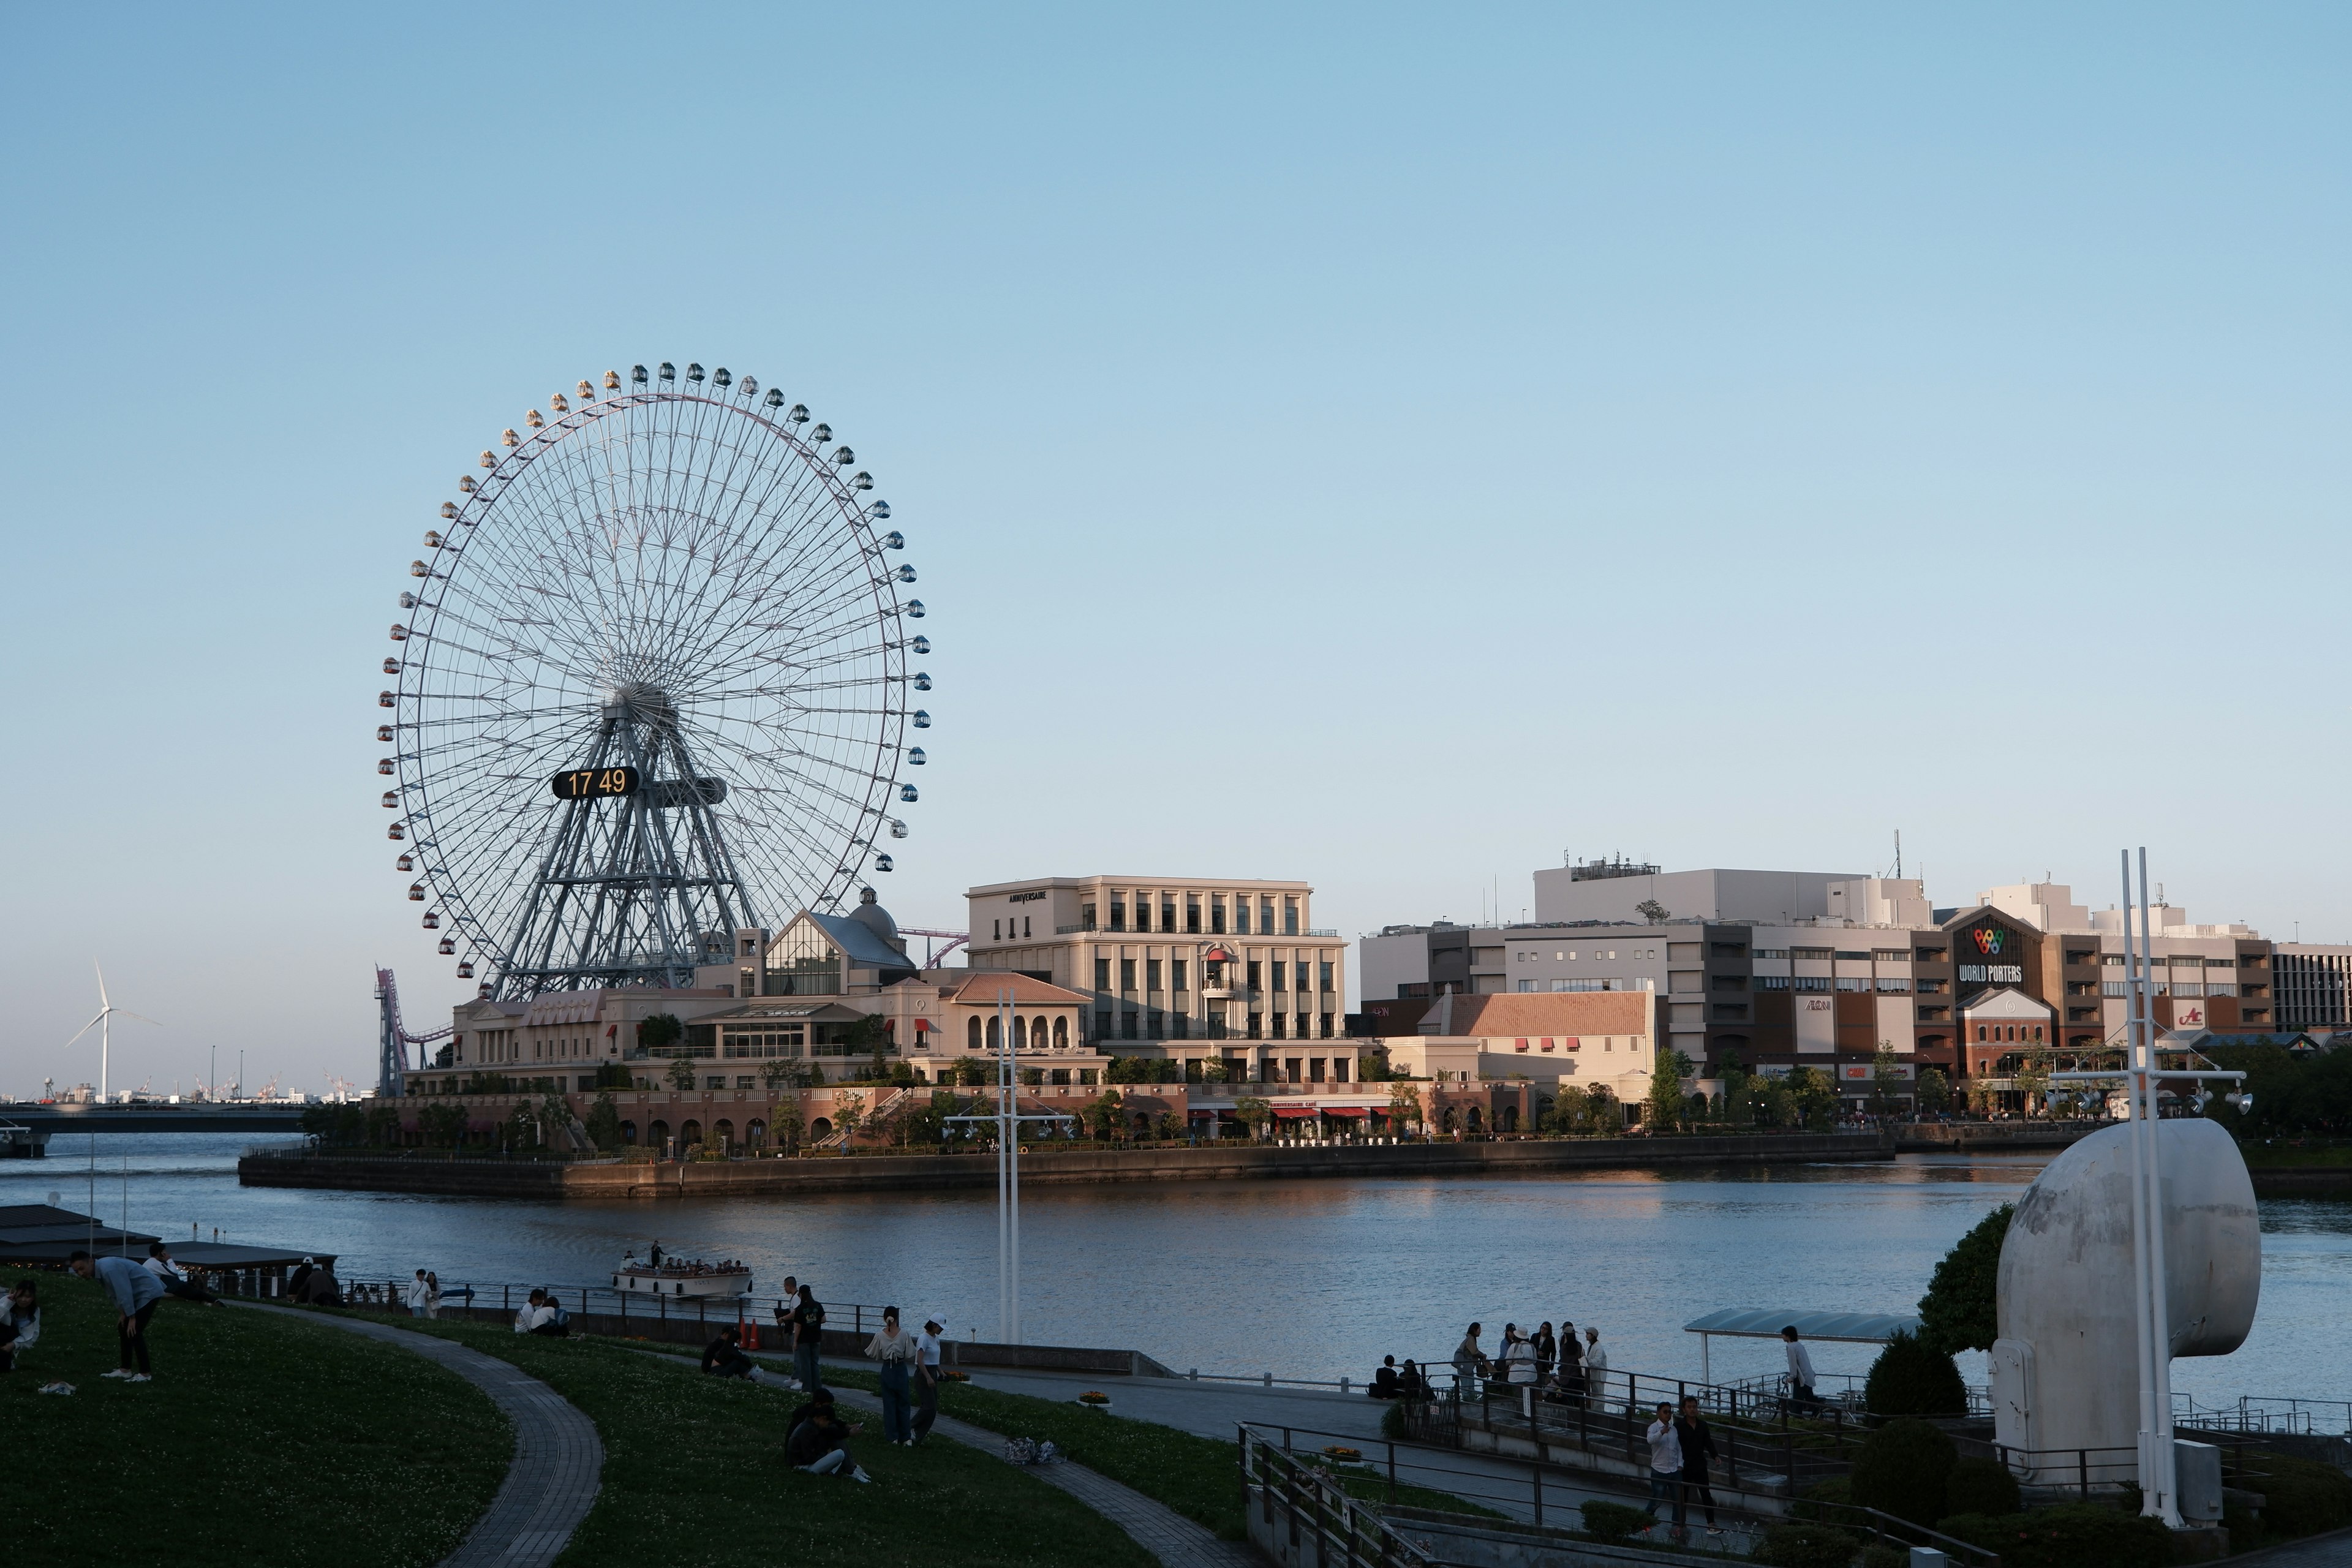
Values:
[(641, 702)]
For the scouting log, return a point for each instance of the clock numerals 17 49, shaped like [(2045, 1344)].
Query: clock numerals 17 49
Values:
[(586, 783)]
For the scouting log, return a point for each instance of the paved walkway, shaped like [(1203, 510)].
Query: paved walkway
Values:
[(2333, 1550), (558, 1459)]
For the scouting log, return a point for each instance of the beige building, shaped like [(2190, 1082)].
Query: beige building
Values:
[(1186, 968)]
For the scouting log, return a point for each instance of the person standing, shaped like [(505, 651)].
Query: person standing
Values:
[(1698, 1452), (927, 1379), (1518, 1358), (1466, 1357), (1596, 1371), (808, 1341), (1547, 1349), (1801, 1368), (415, 1297), (20, 1322), (893, 1349), (432, 1294), (1572, 1364), (1666, 1464), (135, 1293)]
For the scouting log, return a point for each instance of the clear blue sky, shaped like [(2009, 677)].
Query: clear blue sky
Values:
[(1385, 447)]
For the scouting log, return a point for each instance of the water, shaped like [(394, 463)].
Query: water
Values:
[(1306, 1278)]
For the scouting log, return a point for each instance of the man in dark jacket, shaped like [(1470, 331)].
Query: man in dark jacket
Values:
[(724, 1357), (1698, 1453), (817, 1441)]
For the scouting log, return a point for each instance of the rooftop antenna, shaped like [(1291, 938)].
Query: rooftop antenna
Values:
[(104, 1024)]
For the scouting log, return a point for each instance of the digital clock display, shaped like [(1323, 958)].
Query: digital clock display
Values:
[(588, 783)]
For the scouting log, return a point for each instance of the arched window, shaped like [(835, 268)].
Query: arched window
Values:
[(890, 1030), (821, 1129), (690, 1133), (726, 1131), (1981, 1034), (1019, 1032), (1474, 1119), (660, 1131), (2037, 1034), (628, 1131), (971, 1033), (994, 1038), (1037, 1032), (1062, 1033), (756, 1134)]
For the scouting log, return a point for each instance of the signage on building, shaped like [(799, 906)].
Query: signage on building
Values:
[(2187, 1015), (1991, 940), (1866, 1072), (1026, 898), (1817, 1024), (1992, 974)]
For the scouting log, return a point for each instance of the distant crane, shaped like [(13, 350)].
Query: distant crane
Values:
[(104, 1024), (391, 1056)]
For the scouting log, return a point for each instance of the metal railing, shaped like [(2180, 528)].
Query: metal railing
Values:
[(2265, 1414), (580, 1300)]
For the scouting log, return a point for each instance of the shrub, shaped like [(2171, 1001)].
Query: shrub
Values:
[(1837, 1489), (1878, 1555), (1959, 1311), (1981, 1485), (1902, 1469), (1614, 1521), (2301, 1496), (1806, 1546), (1392, 1422), (2073, 1535), (1910, 1379)]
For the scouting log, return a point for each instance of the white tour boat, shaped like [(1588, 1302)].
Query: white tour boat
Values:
[(663, 1275)]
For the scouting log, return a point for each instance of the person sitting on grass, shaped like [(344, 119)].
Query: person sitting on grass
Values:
[(724, 1357), (556, 1323), (534, 1313), (20, 1322), (135, 1293), (817, 1442)]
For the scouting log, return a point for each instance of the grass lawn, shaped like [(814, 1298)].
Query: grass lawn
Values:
[(695, 1477), (1198, 1477), (261, 1440)]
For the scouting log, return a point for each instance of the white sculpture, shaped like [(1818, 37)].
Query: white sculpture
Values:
[(2066, 1371)]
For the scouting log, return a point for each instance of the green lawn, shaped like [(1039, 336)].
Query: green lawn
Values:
[(261, 1440), (695, 1477), (1198, 1477)]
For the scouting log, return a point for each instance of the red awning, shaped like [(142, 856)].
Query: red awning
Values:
[(1197, 1115), (1345, 1110), (1288, 1112), (1216, 956)]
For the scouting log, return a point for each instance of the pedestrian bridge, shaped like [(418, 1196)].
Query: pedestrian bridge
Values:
[(25, 1130)]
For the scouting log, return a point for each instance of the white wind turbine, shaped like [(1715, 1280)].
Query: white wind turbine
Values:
[(104, 1024)]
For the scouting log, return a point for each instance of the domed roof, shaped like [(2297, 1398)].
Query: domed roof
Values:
[(876, 919)]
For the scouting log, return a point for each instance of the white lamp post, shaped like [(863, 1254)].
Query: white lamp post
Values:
[(1007, 1119)]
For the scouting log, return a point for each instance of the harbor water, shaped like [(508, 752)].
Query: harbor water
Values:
[(1302, 1279)]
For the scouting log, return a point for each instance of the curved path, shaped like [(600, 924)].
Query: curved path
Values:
[(558, 1459)]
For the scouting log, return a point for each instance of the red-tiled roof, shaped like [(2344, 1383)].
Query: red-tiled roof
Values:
[(1542, 1013)]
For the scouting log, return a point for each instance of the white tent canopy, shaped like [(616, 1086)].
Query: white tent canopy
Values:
[(1766, 1323)]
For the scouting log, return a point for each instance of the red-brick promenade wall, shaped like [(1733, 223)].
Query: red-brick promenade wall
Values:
[(429, 1171)]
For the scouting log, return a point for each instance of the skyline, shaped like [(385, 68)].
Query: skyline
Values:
[(1375, 455)]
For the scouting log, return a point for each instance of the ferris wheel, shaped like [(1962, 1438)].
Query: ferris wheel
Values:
[(652, 687)]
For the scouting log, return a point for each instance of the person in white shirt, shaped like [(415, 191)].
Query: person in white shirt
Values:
[(1518, 1357), (1596, 1369), (534, 1314), (1666, 1464), (161, 1265), (926, 1378), (1801, 1367), (414, 1297)]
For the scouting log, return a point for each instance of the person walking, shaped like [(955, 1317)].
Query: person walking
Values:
[(1466, 1359), (927, 1379), (1596, 1371), (893, 1349), (1666, 1464), (808, 1339), (1800, 1369), (135, 1293), (20, 1322), (1698, 1452), (414, 1297)]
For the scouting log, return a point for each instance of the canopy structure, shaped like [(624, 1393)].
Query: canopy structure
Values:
[(1766, 1323)]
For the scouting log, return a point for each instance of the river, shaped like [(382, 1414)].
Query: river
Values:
[(1304, 1278)]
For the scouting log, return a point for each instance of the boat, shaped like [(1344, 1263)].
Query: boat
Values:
[(663, 1275)]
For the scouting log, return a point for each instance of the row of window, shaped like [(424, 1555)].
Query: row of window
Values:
[(1570, 954), (1581, 985), (1152, 1024), (1217, 913), (1286, 975), (1885, 984)]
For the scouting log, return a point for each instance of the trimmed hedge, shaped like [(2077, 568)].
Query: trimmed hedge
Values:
[(1806, 1546), (2300, 1496), (1982, 1486), (1902, 1469), (2073, 1535), (1808, 1503), (1910, 1379), (1612, 1520)]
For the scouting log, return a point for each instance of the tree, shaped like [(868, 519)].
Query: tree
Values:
[(2033, 1079), (1404, 1104), (1960, 1309), (1652, 911), (1168, 1127), (382, 1126), (605, 1123), (1104, 1116), (1571, 1112), (1607, 1118), (661, 1030), (1813, 1096), (1934, 1089), (775, 1073), (1253, 1113), (848, 1112), (1667, 1088), (971, 1073), (681, 1073), (1910, 1379), (444, 1126), (1885, 1080), (787, 1121), (1213, 1071)]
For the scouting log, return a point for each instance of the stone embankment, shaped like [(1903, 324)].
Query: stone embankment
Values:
[(426, 1172)]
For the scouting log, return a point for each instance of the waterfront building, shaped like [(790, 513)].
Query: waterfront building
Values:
[(1187, 970), (2312, 983)]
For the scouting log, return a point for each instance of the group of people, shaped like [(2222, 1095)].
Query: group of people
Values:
[(421, 1295), (665, 1263), (817, 1438), (1557, 1366), (542, 1314)]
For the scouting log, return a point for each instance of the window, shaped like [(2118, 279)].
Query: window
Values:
[(1240, 917), (1181, 1026), (1265, 916), (1025, 925), (1928, 955), (1087, 916), (1062, 1033), (1176, 974), (1256, 1027), (1339, 1064), (1213, 973), (1281, 976), (1167, 911), (1772, 953), (1326, 1035), (1891, 954), (1894, 985), (1152, 975), (996, 930), (1847, 982), (2189, 989), (1193, 914), (971, 1033), (1061, 1075), (1127, 974), (1143, 912), (2115, 988), (1277, 1026), (1980, 1030), (1251, 969), (1771, 982), (1730, 1012), (1118, 912), (1326, 975), (1530, 984), (1216, 916), (1807, 983), (1731, 983), (1735, 949), (1290, 917), (2221, 988), (2115, 958), (1843, 954), (1810, 952), (1314, 1069), (1303, 1019), (1127, 1023), (1304, 974), (1102, 1025)]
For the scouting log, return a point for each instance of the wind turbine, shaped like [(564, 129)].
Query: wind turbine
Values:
[(104, 1024)]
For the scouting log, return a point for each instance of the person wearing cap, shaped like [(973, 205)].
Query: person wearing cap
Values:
[(927, 1379)]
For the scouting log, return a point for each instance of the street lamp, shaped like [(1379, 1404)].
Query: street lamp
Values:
[(1008, 1119)]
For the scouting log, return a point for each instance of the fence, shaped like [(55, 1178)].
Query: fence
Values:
[(2266, 1413)]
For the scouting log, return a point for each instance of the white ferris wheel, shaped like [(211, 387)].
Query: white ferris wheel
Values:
[(653, 685)]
